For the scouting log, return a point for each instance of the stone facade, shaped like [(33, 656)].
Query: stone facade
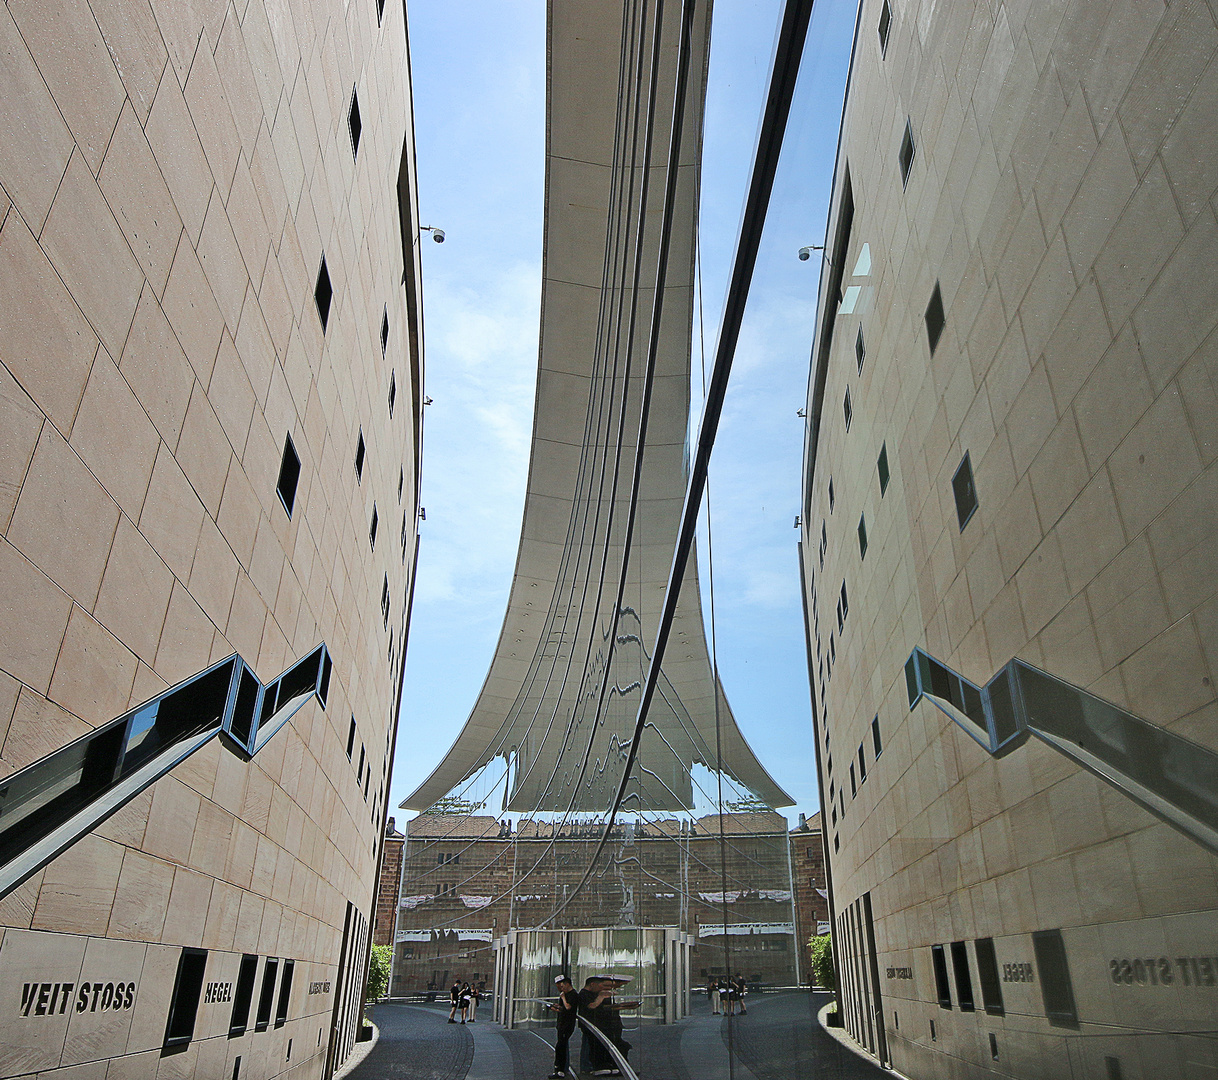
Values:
[(1011, 454), (811, 895), (173, 179), (389, 886)]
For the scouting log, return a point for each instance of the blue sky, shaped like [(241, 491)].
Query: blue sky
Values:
[(479, 88)]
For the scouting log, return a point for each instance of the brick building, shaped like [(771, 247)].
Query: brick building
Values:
[(808, 882), (389, 885)]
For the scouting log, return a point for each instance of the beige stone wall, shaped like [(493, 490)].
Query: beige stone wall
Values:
[(170, 177), (1062, 194)]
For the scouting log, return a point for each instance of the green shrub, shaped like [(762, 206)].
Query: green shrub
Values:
[(378, 972), (822, 961)]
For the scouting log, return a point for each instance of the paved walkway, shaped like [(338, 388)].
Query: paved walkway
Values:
[(779, 1039)]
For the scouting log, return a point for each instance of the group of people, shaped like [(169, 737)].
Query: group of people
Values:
[(596, 1005), (464, 999), (727, 995)]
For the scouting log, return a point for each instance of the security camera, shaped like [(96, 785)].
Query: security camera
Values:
[(805, 253), (437, 235)]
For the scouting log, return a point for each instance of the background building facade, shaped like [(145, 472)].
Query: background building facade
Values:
[(210, 385), (1009, 491)]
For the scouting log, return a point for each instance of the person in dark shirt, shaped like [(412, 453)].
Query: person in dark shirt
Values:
[(454, 995), (591, 997), (567, 1009)]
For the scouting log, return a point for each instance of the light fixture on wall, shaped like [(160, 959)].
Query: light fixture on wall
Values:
[(805, 253), (438, 234)]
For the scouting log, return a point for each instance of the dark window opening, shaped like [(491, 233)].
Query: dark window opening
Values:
[(323, 293), (372, 528), (987, 971), (267, 996), (401, 482), (184, 1004), (862, 536), (845, 602), (243, 996), (237, 1067), (832, 496), (1112, 1065), (860, 350), (882, 466), (824, 543), (1056, 989), (964, 978), (993, 1046), (841, 617), (836, 845), (285, 993), (934, 1036), (380, 11), (405, 520), (351, 739), (385, 331), (876, 746), (353, 122), (943, 988), (393, 391), (862, 765), (885, 27), (360, 451), (906, 155), (289, 475), (847, 410), (936, 319), (965, 492), (359, 773), (854, 788), (385, 601)]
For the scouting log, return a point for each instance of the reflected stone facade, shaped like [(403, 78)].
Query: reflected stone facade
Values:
[(1010, 485), (210, 364), (468, 880)]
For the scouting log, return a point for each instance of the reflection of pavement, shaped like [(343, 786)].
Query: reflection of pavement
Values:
[(779, 1039), (417, 1044)]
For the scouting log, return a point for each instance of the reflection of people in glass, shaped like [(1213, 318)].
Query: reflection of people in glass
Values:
[(567, 1009), (599, 1009)]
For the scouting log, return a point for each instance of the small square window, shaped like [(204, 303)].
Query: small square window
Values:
[(860, 350), (323, 293), (847, 410), (384, 331), (385, 601), (372, 528), (862, 536), (906, 156), (353, 122), (935, 319), (965, 492), (882, 467), (359, 456), (876, 746), (832, 498), (393, 391), (289, 476), (885, 27)]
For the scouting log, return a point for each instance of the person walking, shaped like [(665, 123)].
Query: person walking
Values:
[(741, 990), (464, 998), (454, 995), (568, 1011), (712, 992), (475, 996)]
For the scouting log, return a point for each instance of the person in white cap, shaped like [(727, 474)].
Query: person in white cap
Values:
[(567, 1008)]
